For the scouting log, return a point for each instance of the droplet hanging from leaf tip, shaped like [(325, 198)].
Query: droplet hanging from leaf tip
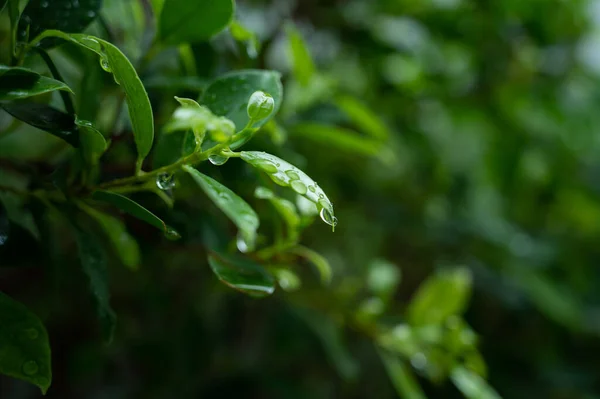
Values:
[(165, 181), (172, 234), (218, 159), (328, 217)]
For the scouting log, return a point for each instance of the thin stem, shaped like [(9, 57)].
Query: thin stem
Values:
[(190, 159)]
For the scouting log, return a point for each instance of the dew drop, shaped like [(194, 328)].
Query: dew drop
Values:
[(292, 175), (44, 4), (32, 333), (91, 14), (298, 187), (105, 65), (165, 181), (172, 234), (30, 367), (224, 196), (218, 159), (312, 189), (3, 238), (278, 180), (328, 217), (267, 166)]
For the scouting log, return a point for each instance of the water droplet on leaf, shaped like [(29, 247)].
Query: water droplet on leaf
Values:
[(298, 187), (312, 188), (267, 166), (218, 159), (328, 217), (105, 65), (279, 180), (172, 234), (30, 367), (292, 175), (165, 181)]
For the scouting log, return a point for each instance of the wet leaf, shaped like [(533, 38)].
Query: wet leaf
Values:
[(18, 83), (24, 346), (40, 15), (114, 61), (287, 175), (46, 118), (238, 210), (229, 94), (242, 274), (131, 207), (185, 21), (303, 65), (93, 143), (440, 296)]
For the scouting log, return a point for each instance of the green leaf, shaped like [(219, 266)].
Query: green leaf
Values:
[(303, 65), (41, 15), (189, 21), (440, 296), (93, 143), (69, 107), (3, 4), (320, 263), (17, 83), (228, 95), (93, 260), (287, 175), (471, 385), (193, 116), (134, 209), (242, 274), (402, 378), (172, 147), (24, 346), (338, 138), (46, 118), (363, 117), (232, 205), (125, 245), (138, 104), (285, 208)]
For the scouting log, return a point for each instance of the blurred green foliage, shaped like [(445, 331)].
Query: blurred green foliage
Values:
[(457, 139)]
